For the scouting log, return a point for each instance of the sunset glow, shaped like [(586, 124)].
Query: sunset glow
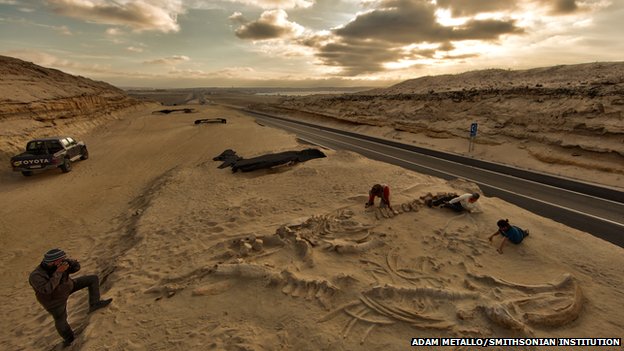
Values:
[(187, 43)]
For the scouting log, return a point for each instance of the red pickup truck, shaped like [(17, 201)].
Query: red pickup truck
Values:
[(48, 153)]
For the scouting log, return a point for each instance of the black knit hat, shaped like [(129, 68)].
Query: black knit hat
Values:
[(53, 255)]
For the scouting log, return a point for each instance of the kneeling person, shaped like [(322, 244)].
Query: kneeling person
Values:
[(509, 233), (383, 192)]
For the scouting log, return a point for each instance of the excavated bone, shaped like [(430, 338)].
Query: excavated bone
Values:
[(337, 311), (501, 316), (164, 289), (359, 247), (245, 270), (384, 212), (363, 318), (387, 291), (181, 279), (363, 239), (285, 232), (415, 205), (403, 315), (245, 249), (273, 240), (366, 333), (304, 251), (566, 280), (294, 286), (559, 317), (258, 245)]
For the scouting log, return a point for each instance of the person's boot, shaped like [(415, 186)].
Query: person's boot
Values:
[(100, 304), (68, 340)]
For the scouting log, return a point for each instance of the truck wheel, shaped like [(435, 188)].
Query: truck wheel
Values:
[(27, 173), (85, 153), (66, 166)]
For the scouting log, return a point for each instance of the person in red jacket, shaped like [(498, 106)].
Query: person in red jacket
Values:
[(383, 192), (52, 286)]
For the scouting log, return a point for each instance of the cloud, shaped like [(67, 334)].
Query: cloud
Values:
[(114, 31), (238, 17), (40, 58), (171, 60), (140, 15), (47, 60), (273, 24), (393, 31), (484, 30), (461, 8), (405, 22), (393, 35), (227, 73), (64, 30), (564, 7), (61, 29), (357, 58), (134, 49), (21, 5), (266, 4)]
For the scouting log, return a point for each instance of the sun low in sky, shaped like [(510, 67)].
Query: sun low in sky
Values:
[(304, 43)]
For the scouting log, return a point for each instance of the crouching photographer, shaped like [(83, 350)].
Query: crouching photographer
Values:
[(52, 286)]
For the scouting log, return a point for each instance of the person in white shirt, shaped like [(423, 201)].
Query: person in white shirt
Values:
[(465, 202)]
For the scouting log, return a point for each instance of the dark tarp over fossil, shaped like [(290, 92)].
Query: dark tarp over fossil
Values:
[(210, 120), (168, 111), (230, 159)]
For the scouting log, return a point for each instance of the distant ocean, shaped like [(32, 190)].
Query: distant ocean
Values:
[(309, 92)]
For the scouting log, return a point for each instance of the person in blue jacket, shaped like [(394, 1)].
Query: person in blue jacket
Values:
[(509, 233)]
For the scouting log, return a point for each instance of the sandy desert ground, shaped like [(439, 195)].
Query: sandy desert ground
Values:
[(200, 258)]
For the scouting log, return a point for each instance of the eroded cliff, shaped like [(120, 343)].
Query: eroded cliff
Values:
[(36, 101)]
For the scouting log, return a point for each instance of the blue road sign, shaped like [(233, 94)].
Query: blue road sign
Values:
[(473, 130)]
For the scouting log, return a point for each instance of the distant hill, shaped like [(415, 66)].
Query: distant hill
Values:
[(574, 106), (36, 101), (604, 74), (25, 82)]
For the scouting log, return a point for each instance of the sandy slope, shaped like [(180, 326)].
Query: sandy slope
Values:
[(167, 231)]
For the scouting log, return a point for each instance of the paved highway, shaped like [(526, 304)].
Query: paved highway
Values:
[(587, 207)]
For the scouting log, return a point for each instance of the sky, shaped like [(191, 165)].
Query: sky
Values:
[(304, 43)]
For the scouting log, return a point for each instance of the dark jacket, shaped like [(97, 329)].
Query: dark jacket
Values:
[(52, 288)]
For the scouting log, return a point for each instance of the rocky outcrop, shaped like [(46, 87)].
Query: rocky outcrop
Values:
[(568, 106), (66, 107), (37, 101)]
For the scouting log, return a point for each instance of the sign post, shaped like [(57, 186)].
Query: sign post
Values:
[(473, 134)]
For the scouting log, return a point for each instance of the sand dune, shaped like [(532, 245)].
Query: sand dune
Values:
[(199, 258)]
